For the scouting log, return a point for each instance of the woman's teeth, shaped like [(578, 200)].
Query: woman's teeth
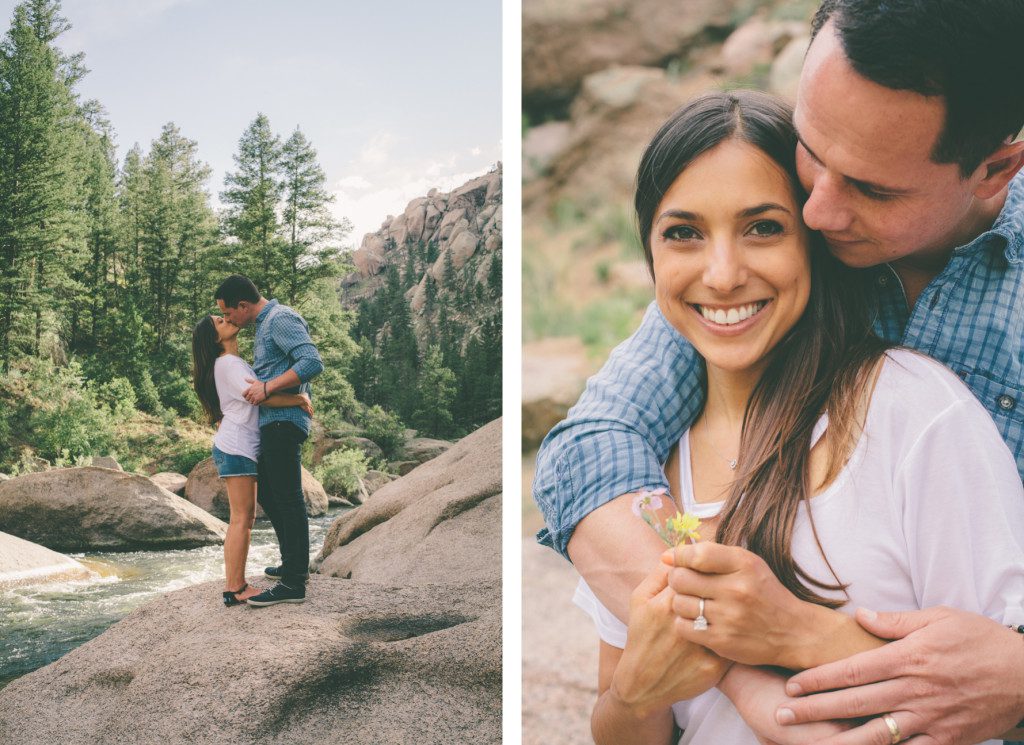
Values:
[(733, 315)]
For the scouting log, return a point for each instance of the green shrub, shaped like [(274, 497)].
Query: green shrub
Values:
[(147, 393), (118, 396), (340, 471), (63, 418), (187, 455), (175, 392), (385, 429)]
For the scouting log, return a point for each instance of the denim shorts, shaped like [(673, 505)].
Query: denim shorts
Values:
[(232, 465)]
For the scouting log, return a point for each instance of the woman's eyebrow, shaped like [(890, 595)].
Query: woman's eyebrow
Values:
[(762, 208), (679, 214)]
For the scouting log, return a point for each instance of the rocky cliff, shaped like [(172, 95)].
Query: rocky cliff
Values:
[(461, 227)]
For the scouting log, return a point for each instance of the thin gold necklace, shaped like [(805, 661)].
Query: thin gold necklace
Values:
[(733, 462)]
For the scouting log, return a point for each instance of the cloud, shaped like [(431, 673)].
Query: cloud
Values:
[(352, 183), (377, 151), (368, 207), (100, 20), (381, 181)]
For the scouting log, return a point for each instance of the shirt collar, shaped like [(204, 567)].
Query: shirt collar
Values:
[(266, 309), (1007, 232)]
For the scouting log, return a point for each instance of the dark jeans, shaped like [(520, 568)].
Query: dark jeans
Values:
[(280, 495)]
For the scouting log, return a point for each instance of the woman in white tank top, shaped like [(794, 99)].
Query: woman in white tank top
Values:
[(220, 378), (832, 472)]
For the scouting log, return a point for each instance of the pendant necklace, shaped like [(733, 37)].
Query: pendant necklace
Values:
[(733, 462)]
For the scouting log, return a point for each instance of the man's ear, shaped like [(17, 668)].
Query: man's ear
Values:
[(998, 168)]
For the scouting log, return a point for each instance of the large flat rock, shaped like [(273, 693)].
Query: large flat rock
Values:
[(100, 509), (205, 489), (23, 562), (559, 653), (356, 663), (439, 523)]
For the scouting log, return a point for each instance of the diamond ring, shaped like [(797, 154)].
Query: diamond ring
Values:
[(700, 623)]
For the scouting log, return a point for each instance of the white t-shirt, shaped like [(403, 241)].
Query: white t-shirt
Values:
[(239, 432), (928, 511)]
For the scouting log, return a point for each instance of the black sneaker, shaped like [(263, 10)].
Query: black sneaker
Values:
[(279, 593), (273, 572)]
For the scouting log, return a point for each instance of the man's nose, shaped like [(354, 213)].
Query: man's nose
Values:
[(826, 207), (726, 269)]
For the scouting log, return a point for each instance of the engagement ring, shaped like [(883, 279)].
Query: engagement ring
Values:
[(700, 623)]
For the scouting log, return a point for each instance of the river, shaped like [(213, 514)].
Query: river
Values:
[(41, 623)]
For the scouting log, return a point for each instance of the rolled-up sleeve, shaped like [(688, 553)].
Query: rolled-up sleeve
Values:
[(615, 439), (291, 336)]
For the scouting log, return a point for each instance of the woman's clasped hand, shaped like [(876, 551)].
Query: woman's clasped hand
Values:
[(751, 618), (657, 667)]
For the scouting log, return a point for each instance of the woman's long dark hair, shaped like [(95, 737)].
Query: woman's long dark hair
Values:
[(206, 348), (823, 364)]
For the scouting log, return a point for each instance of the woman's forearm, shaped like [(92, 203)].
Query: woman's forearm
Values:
[(828, 635), (614, 723), (283, 400)]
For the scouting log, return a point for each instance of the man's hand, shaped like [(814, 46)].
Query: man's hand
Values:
[(307, 403), (953, 677), (752, 618), (255, 393), (657, 668)]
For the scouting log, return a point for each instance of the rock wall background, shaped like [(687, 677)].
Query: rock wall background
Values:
[(599, 77)]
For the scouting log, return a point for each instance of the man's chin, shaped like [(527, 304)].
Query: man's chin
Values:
[(854, 254)]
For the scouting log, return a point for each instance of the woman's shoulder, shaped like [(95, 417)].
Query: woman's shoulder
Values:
[(230, 360), (914, 390), (917, 378)]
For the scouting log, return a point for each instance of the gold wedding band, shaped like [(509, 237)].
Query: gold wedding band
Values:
[(894, 729)]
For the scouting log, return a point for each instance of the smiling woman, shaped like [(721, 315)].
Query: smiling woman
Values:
[(810, 462)]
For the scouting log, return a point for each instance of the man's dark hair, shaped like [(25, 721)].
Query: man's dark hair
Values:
[(235, 289), (967, 51)]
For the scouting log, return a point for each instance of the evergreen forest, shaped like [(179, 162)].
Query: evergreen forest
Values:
[(106, 264)]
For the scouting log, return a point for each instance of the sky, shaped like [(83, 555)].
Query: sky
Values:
[(397, 97)]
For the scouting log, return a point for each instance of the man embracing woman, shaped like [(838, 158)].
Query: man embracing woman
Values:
[(263, 414)]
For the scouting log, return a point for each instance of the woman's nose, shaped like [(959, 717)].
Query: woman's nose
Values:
[(725, 270)]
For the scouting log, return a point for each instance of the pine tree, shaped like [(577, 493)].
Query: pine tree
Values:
[(311, 232), (436, 389), (252, 195), (399, 359), (130, 195), (430, 292), (366, 373), (101, 216), (448, 278), (494, 276), (178, 235), (409, 278), (40, 188)]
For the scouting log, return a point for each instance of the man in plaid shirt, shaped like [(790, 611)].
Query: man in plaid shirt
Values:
[(907, 115), (284, 359)]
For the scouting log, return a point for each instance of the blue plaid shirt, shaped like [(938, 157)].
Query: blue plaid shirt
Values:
[(283, 344), (614, 440)]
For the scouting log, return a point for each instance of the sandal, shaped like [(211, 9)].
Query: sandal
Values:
[(229, 596)]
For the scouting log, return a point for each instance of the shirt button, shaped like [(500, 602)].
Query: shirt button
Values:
[(1006, 402), (883, 280)]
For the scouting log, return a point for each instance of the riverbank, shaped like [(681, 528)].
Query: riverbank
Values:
[(40, 623)]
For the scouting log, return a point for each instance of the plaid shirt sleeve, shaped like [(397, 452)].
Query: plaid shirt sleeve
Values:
[(289, 333), (616, 437)]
